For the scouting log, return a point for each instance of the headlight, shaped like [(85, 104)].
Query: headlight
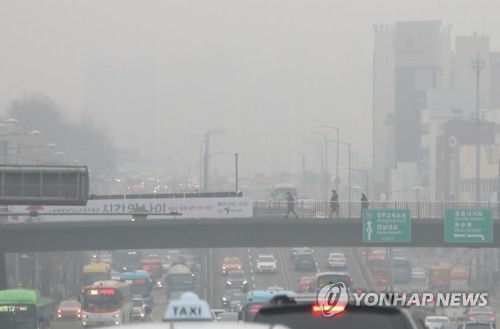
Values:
[(85, 316), (116, 315), (245, 282), (228, 283), (224, 299)]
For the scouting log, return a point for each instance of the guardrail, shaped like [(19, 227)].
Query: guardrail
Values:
[(318, 209), (303, 209)]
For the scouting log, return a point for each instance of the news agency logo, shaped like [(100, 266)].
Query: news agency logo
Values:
[(332, 299)]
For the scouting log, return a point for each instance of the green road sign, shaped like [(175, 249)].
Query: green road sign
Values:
[(386, 225), (471, 225)]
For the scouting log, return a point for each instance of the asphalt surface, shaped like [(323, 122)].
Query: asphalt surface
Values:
[(287, 277)]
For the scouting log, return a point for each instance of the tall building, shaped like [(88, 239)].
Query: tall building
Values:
[(410, 59)]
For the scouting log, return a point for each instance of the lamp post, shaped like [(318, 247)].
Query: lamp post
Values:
[(477, 65), (325, 170), (206, 167), (236, 171), (337, 178), (6, 148), (349, 173), (303, 171)]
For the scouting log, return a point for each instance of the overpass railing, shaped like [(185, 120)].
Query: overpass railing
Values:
[(318, 209)]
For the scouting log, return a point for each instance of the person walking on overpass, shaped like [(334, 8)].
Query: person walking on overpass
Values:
[(290, 203), (364, 203), (334, 204)]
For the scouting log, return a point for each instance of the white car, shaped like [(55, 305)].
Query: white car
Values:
[(336, 260), (435, 321), (418, 273), (266, 264)]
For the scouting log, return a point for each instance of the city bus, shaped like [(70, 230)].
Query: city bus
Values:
[(401, 270), (255, 299), (126, 260), (141, 284), (25, 309), (379, 270), (95, 272), (155, 270), (106, 303)]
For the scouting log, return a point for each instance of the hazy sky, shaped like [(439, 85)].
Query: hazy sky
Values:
[(267, 71)]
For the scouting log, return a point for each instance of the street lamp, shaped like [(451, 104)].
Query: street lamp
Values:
[(207, 155), (349, 174), (303, 171), (325, 170), (337, 178), (477, 65)]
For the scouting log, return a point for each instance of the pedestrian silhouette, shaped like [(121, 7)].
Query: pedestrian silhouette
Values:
[(290, 203), (364, 203), (334, 204)]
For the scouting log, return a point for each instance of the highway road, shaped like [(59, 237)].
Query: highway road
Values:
[(286, 276)]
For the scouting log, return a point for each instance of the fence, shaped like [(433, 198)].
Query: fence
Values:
[(315, 209)]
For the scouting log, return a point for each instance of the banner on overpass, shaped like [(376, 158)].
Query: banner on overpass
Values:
[(98, 210)]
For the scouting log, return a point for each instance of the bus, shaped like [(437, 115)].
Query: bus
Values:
[(324, 278), (25, 309), (126, 260), (401, 270), (440, 277), (106, 303), (141, 284), (155, 270), (95, 272), (255, 299), (379, 270), (179, 279)]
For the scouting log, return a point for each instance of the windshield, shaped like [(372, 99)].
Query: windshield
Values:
[(23, 318), (266, 259), (70, 304), (138, 303), (438, 320), (236, 275), (179, 131), (100, 302)]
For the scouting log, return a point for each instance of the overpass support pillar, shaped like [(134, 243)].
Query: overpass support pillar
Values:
[(3, 272)]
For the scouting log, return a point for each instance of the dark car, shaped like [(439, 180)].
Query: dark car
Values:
[(237, 279), (227, 296), (304, 262)]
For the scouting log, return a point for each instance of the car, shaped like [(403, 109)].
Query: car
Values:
[(231, 263), (435, 321), (418, 273), (304, 283), (476, 325), (459, 273), (237, 279), (481, 313), (336, 260), (227, 296), (300, 250), (237, 302), (69, 309), (266, 264), (304, 262), (283, 310), (138, 308)]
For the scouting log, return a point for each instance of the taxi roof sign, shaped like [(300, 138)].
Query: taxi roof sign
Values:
[(188, 308)]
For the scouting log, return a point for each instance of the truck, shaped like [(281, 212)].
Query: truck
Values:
[(95, 272), (179, 279)]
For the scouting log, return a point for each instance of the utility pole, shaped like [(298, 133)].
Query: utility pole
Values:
[(236, 164), (478, 64)]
